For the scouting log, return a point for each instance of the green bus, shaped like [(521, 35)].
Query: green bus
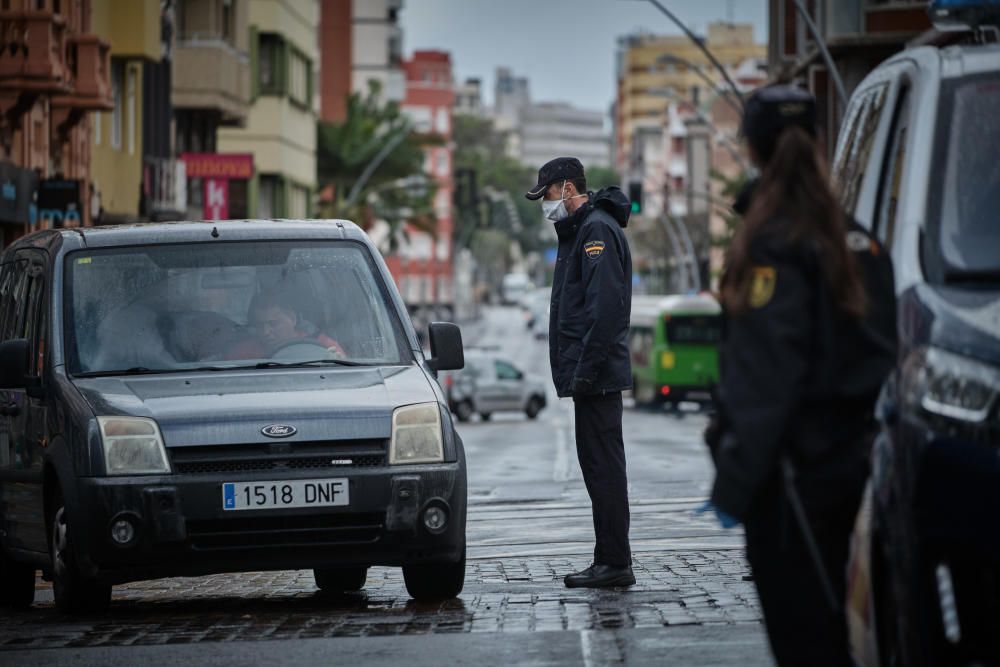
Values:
[(673, 343)]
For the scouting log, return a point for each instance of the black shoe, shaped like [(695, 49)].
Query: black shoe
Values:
[(601, 576)]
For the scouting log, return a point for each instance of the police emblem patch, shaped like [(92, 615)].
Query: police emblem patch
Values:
[(762, 286), (594, 249)]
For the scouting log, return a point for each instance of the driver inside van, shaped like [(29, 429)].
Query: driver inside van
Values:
[(276, 324)]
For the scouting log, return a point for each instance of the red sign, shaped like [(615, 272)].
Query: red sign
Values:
[(216, 198), (218, 165)]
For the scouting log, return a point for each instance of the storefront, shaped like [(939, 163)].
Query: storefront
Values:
[(218, 184)]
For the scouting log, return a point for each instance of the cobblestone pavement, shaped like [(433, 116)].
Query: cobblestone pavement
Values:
[(505, 596)]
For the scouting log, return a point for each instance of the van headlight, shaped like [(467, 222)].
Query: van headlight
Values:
[(132, 446), (949, 385), (416, 435)]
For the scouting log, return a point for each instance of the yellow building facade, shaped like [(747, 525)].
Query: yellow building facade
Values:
[(132, 27), (655, 71), (280, 129)]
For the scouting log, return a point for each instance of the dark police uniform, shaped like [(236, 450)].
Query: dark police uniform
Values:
[(588, 350), (799, 382)]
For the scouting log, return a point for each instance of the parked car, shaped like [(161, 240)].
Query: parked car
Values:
[(918, 162), (489, 384), (187, 399)]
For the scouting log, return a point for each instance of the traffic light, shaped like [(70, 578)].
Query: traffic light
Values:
[(635, 196)]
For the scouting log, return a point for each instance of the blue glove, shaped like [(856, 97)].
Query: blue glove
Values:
[(725, 520)]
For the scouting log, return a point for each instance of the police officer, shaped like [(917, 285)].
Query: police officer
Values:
[(810, 336), (588, 350)]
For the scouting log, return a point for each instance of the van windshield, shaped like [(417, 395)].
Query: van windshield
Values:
[(170, 308), (969, 192)]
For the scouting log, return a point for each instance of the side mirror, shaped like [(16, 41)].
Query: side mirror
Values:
[(447, 353), (14, 364)]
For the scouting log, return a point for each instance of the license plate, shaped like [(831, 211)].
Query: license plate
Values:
[(285, 494)]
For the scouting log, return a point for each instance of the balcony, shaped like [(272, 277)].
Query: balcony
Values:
[(209, 73), (31, 57), (88, 67)]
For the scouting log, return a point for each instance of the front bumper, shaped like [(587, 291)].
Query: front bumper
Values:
[(184, 531)]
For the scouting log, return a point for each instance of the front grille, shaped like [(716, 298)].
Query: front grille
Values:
[(286, 531), (332, 455)]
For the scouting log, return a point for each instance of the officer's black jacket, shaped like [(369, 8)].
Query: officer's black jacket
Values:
[(592, 298), (798, 377)]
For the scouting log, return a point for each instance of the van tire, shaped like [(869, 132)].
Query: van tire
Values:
[(464, 411), (433, 582), (340, 579), (534, 407), (74, 593), (17, 583)]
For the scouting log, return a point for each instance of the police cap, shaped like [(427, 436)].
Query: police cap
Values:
[(554, 171), (771, 110)]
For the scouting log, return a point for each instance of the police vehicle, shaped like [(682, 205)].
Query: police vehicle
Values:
[(194, 398), (918, 160)]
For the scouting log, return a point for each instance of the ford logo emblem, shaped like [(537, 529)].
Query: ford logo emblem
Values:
[(279, 431)]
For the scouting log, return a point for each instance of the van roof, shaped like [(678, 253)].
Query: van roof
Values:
[(199, 231)]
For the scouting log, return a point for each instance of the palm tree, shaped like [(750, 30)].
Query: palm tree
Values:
[(375, 137)]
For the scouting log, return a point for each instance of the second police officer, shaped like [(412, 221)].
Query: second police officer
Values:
[(809, 304)]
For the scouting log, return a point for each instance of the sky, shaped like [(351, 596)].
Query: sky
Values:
[(566, 48)]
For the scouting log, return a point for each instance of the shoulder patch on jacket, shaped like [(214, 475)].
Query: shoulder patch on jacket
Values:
[(762, 286), (594, 249)]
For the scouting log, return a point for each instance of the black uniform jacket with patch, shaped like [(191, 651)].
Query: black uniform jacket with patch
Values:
[(798, 377), (592, 298)]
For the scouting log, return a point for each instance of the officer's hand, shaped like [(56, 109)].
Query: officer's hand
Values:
[(581, 386)]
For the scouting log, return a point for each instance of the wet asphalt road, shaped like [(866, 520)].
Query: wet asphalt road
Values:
[(528, 525)]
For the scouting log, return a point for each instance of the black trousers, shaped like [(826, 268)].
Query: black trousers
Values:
[(802, 627), (601, 451)]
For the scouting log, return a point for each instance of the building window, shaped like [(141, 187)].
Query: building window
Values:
[(299, 74), (443, 121), (96, 120), (117, 86), (228, 20), (298, 202), (420, 117), (130, 93), (443, 163), (267, 196), (269, 63)]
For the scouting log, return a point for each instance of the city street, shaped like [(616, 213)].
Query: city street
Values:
[(528, 525)]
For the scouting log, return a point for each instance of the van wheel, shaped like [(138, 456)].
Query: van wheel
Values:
[(485, 416), (74, 593), (340, 579), (434, 582), (534, 407), (17, 583), (464, 411)]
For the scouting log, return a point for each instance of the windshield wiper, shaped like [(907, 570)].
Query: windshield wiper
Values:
[(135, 370), (313, 362)]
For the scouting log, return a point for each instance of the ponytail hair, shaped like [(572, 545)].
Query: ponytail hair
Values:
[(795, 186)]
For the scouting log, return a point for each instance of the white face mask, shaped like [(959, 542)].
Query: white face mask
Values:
[(555, 209)]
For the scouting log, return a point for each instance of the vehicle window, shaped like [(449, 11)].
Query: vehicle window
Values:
[(507, 372), (13, 292), (968, 186), (694, 330), (885, 224), (33, 325), (858, 149), (641, 345), (171, 308)]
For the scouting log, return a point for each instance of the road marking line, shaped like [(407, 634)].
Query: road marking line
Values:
[(586, 647)]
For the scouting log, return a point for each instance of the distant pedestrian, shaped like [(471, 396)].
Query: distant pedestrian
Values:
[(588, 349), (810, 337)]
